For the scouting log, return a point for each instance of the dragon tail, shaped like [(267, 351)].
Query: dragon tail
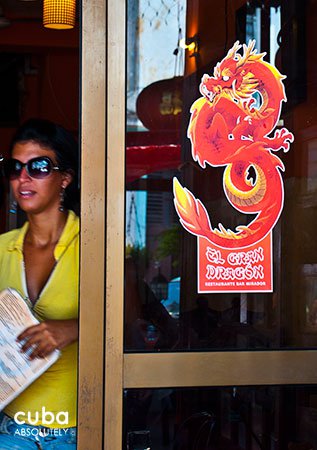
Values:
[(195, 219)]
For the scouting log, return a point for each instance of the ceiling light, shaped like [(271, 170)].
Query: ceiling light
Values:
[(59, 14)]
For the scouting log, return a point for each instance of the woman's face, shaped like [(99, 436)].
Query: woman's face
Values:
[(37, 195)]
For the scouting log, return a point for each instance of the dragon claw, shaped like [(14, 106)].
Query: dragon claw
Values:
[(281, 140)]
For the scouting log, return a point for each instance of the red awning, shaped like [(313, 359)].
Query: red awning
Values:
[(143, 160)]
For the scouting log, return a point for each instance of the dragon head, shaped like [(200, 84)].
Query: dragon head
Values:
[(233, 75)]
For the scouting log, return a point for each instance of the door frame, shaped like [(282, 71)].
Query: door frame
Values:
[(92, 236), (104, 370)]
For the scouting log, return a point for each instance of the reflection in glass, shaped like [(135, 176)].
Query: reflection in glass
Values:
[(162, 292), (225, 418)]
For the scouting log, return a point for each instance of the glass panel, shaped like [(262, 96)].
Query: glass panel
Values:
[(254, 287), (226, 418)]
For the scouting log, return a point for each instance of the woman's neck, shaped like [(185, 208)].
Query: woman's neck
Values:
[(44, 230)]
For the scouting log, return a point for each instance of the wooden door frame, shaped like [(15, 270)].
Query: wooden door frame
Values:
[(104, 370), (93, 207)]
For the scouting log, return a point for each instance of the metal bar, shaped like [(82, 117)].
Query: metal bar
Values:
[(151, 370)]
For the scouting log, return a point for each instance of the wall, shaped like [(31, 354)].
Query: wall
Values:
[(48, 81)]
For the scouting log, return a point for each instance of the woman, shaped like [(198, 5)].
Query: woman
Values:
[(40, 260)]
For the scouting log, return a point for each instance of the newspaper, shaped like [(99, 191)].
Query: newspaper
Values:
[(17, 372)]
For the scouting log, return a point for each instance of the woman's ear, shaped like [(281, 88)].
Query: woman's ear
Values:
[(67, 178)]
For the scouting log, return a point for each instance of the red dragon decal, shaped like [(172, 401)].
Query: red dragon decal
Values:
[(230, 126)]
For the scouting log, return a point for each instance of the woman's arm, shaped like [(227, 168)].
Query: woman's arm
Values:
[(49, 336)]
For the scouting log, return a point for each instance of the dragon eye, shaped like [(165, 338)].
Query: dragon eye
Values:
[(225, 78)]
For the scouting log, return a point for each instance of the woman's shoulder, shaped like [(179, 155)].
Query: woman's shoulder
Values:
[(9, 238)]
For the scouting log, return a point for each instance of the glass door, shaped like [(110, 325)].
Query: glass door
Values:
[(210, 249)]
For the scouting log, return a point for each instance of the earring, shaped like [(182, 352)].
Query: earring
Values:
[(13, 207), (61, 201)]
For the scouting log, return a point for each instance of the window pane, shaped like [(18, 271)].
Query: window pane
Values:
[(227, 418), (189, 285)]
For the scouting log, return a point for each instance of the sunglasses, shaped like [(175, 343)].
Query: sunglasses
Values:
[(38, 168)]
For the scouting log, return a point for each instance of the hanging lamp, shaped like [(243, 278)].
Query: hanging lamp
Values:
[(59, 14)]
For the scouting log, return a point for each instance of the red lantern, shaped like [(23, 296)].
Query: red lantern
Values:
[(159, 105)]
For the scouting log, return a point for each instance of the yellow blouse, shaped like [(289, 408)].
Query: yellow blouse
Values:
[(56, 389)]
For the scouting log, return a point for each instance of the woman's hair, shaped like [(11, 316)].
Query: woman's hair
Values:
[(61, 141)]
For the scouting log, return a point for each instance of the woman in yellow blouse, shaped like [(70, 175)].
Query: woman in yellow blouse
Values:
[(40, 260)]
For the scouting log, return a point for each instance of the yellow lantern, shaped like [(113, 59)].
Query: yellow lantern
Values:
[(59, 14)]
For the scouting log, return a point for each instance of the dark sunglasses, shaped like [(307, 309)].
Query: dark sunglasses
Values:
[(38, 168)]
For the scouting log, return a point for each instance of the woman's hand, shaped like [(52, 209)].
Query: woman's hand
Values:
[(48, 336)]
